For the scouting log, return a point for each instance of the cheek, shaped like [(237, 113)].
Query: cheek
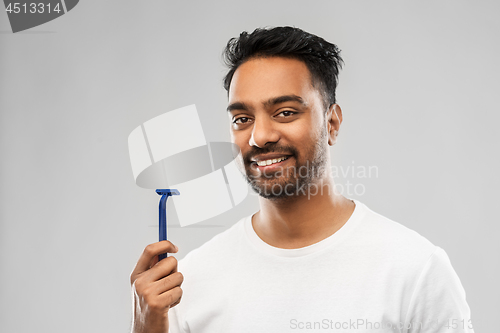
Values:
[(240, 139), (235, 137), (318, 129), (300, 134), (305, 138), (240, 164)]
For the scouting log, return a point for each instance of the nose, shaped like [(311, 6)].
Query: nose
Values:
[(263, 133)]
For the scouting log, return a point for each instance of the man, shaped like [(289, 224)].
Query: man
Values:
[(309, 259)]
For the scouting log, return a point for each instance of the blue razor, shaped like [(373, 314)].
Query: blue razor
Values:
[(163, 215)]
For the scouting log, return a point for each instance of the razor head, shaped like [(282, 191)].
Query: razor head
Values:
[(167, 192)]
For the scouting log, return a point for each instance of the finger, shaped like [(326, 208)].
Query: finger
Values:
[(171, 296), (178, 301), (150, 252), (168, 282), (153, 261), (161, 269)]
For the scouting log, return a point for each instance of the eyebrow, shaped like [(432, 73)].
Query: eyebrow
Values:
[(270, 102), (283, 99)]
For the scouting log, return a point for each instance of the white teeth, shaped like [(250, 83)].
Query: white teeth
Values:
[(271, 161)]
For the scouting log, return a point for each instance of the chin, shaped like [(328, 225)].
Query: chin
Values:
[(276, 189)]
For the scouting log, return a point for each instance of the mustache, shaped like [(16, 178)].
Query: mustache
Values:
[(272, 148)]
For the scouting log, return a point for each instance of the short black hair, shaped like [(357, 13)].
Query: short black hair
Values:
[(321, 57)]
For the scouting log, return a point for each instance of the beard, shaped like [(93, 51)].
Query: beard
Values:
[(291, 181)]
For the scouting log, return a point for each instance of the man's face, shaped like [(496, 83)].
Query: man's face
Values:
[(279, 123)]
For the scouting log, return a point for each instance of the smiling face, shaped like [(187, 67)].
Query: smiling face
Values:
[(280, 125)]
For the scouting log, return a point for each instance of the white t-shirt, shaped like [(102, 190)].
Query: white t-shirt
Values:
[(372, 275)]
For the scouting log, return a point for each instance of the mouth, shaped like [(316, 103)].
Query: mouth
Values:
[(271, 161)]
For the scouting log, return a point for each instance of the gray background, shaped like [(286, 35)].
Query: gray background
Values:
[(420, 99)]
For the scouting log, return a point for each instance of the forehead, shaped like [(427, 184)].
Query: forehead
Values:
[(259, 79)]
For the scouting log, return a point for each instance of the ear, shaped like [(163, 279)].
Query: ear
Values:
[(334, 119)]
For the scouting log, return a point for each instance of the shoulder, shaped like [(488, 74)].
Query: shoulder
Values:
[(422, 268), (392, 241)]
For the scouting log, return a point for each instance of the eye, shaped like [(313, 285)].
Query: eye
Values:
[(286, 114), (241, 120)]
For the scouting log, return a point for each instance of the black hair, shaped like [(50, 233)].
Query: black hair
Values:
[(321, 57)]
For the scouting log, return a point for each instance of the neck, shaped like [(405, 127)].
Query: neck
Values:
[(301, 220)]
